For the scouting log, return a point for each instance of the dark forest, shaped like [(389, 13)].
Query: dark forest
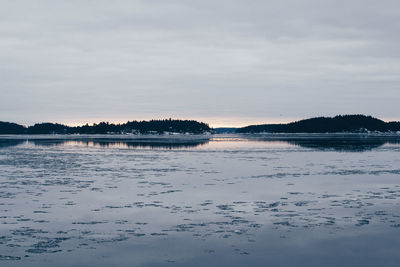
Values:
[(135, 127)]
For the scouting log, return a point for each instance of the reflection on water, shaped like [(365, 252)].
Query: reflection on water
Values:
[(337, 142), (218, 201), (349, 142), (179, 142), (10, 142), (341, 145), (122, 144)]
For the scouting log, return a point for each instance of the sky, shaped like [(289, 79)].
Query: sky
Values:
[(224, 62)]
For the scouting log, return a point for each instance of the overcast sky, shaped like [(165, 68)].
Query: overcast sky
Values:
[(227, 62)]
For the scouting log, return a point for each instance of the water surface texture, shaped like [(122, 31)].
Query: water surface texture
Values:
[(223, 200)]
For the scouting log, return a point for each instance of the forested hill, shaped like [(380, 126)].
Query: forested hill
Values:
[(153, 126), (344, 123)]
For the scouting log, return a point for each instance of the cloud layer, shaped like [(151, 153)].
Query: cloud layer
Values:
[(228, 61)]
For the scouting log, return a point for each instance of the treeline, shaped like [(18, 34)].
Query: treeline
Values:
[(342, 123), (135, 127)]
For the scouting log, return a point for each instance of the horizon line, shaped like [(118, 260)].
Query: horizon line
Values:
[(213, 122)]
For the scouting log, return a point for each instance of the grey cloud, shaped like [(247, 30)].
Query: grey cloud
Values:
[(74, 60)]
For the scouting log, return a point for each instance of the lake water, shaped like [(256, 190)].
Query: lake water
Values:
[(222, 200)]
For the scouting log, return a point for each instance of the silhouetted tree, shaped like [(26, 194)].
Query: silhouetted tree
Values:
[(11, 128), (342, 123), (153, 126)]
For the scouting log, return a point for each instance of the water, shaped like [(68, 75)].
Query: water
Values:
[(200, 200)]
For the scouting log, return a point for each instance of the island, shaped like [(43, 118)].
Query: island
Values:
[(130, 127), (337, 124)]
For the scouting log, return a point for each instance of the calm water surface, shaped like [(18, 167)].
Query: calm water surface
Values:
[(196, 201)]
